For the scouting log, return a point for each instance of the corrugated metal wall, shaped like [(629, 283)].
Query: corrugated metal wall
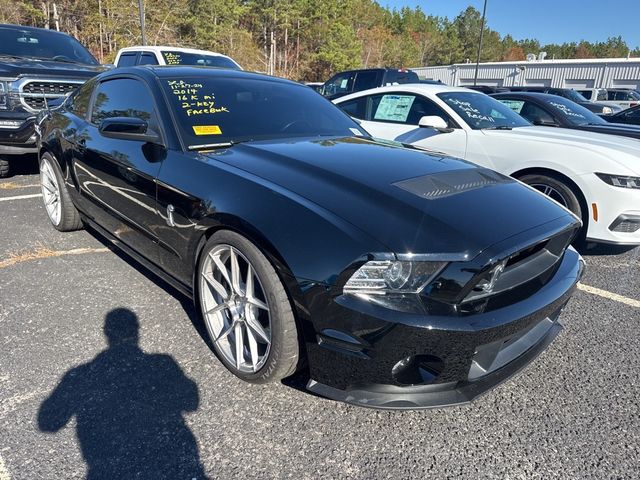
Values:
[(606, 73)]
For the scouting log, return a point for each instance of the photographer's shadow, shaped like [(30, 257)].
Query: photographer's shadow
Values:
[(129, 409)]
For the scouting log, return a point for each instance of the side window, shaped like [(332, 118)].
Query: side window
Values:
[(365, 81), (534, 113), (404, 108), (78, 103), (123, 97), (147, 58), (127, 59), (356, 108), (515, 105), (340, 84)]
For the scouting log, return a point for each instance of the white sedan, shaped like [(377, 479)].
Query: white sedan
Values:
[(594, 175)]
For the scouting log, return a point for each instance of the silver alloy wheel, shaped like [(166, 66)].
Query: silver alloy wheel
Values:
[(235, 308), (551, 192), (50, 191)]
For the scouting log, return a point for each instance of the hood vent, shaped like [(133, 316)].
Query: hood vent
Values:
[(452, 182)]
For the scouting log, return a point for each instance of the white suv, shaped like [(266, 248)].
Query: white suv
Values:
[(147, 55)]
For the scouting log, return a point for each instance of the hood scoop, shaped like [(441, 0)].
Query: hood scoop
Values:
[(445, 184)]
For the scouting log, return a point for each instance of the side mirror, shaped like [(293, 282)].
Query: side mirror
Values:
[(434, 121), (127, 128)]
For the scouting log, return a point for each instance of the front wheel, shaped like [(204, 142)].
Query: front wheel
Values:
[(558, 190), (246, 310), (4, 167), (555, 189)]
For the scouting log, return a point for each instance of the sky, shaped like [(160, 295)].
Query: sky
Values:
[(550, 21)]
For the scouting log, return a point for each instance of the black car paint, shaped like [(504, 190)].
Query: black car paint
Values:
[(562, 92), (383, 76), (318, 209), (543, 100), (630, 116)]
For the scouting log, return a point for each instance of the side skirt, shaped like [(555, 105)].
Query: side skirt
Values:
[(152, 267)]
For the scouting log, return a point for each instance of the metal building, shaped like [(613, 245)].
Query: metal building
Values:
[(583, 73)]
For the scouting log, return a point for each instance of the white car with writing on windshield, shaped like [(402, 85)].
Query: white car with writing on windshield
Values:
[(596, 176)]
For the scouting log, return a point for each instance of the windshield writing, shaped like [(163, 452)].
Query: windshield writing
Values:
[(218, 109), (480, 111)]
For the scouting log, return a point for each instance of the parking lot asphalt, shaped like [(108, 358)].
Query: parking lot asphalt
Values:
[(105, 373)]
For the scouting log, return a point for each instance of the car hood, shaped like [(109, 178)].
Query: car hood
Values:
[(14, 67), (382, 190), (622, 150)]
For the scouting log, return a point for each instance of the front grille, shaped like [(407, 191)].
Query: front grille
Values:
[(472, 287), (36, 103), (35, 94), (51, 88)]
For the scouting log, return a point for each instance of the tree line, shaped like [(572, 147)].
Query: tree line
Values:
[(298, 39)]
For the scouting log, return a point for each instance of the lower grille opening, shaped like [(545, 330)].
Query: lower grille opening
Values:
[(492, 356), (625, 224), (417, 370)]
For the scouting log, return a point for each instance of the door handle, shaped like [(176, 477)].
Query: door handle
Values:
[(170, 210)]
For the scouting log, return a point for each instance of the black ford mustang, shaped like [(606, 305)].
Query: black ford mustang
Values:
[(405, 279), (555, 111)]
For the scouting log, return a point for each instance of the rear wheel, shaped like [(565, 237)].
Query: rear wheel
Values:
[(57, 202), (4, 167), (246, 310)]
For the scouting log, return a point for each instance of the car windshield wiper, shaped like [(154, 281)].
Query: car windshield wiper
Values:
[(18, 57), (498, 127), (212, 146)]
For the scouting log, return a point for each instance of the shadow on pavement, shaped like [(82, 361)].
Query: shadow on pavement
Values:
[(604, 249), (24, 165), (129, 408)]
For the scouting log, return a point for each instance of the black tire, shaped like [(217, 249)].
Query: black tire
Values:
[(4, 167), (556, 189), (69, 217), (563, 194), (281, 360)]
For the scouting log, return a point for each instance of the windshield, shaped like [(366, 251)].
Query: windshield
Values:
[(480, 111), (43, 44), (218, 109), (574, 113), (183, 58)]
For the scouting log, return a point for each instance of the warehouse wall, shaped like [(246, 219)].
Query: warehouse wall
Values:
[(607, 73)]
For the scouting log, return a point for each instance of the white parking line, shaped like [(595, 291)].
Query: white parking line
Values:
[(610, 295), (20, 197), (4, 473)]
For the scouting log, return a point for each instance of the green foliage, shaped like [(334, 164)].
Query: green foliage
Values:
[(299, 39)]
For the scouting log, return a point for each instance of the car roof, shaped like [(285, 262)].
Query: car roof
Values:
[(171, 71), (10, 26), (411, 88), (532, 95), (160, 48)]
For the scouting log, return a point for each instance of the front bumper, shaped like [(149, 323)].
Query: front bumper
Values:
[(383, 359), (19, 140), (609, 207)]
